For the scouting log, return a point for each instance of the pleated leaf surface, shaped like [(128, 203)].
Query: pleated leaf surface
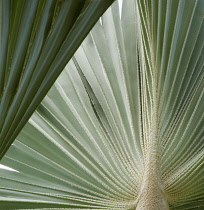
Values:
[(38, 38), (135, 85)]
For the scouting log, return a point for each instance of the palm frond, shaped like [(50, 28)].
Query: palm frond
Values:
[(124, 120), (38, 38)]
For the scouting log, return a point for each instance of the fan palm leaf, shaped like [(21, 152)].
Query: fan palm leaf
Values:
[(122, 127), (37, 40)]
